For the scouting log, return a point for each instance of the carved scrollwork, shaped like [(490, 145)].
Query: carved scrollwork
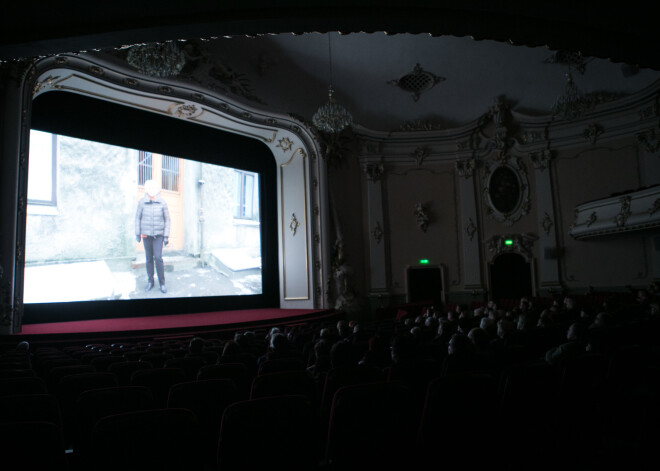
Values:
[(650, 140), (374, 172), (593, 217), (547, 223), (471, 229), (185, 111), (377, 233), (44, 84), (520, 243), (285, 144), (294, 224), (592, 132), (541, 160), (465, 168), (420, 154), (624, 212), (655, 208), (422, 217)]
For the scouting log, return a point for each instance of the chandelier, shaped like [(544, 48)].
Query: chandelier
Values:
[(157, 59), (331, 117), (572, 103)]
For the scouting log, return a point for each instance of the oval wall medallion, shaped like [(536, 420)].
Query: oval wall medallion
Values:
[(506, 190)]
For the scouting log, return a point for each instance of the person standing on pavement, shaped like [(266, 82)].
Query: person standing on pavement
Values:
[(152, 226)]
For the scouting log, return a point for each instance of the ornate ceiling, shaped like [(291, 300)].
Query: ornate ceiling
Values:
[(431, 74)]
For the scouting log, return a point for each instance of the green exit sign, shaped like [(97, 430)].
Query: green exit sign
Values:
[(508, 242), (424, 261)]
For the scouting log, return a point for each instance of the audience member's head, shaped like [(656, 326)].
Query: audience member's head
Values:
[(504, 328), (231, 348), (279, 343), (479, 338), (196, 345), (342, 329), (341, 354), (459, 344), (403, 348)]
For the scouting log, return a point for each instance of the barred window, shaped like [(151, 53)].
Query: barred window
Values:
[(246, 195), (145, 168), (170, 175), (42, 169)]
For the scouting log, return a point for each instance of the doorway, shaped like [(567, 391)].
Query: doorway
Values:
[(510, 277)]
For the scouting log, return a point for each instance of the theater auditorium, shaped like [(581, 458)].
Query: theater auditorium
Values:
[(329, 236)]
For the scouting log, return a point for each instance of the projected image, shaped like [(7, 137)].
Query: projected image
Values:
[(110, 223)]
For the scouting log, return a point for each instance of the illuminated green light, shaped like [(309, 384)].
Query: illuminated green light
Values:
[(424, 261), (508, 242)]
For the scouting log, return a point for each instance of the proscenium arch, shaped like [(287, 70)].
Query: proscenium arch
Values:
[(304, 270)]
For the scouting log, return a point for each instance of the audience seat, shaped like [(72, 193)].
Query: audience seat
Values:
[(22, 385), (32, 446), (268, 433), (159, 381), (371, 426), (158, 439), (207, 399), (30, 408), (94, 404), (125, 369)]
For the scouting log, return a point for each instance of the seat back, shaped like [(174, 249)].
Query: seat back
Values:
[(159, 381), (282, 427), (207, 399), (30, 408), (285, 383), (281, 364), (371, 426), (22, 385), (94, 404), (125, 369), (164, 439), (32, 445)]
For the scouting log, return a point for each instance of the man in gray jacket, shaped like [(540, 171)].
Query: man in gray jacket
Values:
[(152, 226)]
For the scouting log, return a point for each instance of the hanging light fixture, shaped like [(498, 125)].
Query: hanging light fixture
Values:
[(331, 117), (160, 60), (572, 103)]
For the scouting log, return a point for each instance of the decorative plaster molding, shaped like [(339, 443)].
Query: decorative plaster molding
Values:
[(547, 223), (655, 208), (294, 224), (593, 217), (471, 229), (592, 132), (420, 154), (522, 244), (45, 84), (374, 172), (285, 144), (541, 160), (465, 168), (650, 140), (417, 81), (506, 189), (378, 232), (634, 211), (422, 217), (625, 211)]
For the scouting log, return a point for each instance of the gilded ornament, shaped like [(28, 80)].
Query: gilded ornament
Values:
[(285, 144), (593, 217), (294, 224), (471, 229), (547, 223), (592, 132), (378, 233)]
